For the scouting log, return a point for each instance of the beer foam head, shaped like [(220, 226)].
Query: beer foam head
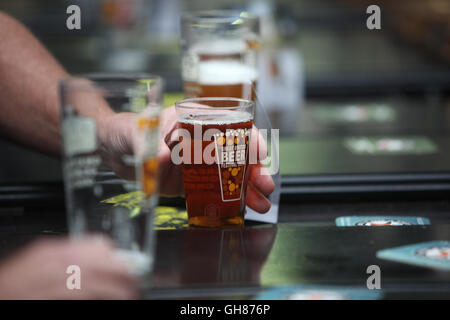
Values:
[(220, 47), (218, 117), (223, 72)]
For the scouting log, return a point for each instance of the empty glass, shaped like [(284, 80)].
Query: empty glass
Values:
[(110, 140)]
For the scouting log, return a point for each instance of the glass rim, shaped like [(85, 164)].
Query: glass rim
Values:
[(179, 104), (73, 82), (218, 17)]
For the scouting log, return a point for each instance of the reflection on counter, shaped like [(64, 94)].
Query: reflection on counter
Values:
[(212, 257)]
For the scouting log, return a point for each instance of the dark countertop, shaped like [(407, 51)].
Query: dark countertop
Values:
[(217, 262), (305, 248)]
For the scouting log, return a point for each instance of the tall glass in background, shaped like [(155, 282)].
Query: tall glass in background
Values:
[(110, 139), (219, 51)]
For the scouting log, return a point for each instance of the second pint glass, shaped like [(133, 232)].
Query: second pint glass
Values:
[(214, 151), (219, 54), (110, 126)]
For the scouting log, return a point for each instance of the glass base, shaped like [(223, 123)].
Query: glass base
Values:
[(216, 222)]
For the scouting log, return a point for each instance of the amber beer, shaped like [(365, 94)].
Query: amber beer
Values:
[(220, 68), (215, 193), (219, 53), (222, 78)]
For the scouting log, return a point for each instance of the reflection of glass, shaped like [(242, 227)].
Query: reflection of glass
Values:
[(233, 265), (225, 257), (110, 139), (215, 140), (219, 54)]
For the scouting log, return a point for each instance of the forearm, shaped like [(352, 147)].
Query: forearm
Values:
[(29, 78)]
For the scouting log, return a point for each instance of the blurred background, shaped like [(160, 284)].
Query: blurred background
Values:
[(346, 99)]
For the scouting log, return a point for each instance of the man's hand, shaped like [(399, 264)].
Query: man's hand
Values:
[(39, 271)]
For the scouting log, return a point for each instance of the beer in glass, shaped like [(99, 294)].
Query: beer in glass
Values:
[(219, 54), (215, 138)]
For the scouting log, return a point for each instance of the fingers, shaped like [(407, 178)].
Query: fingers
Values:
[(171, 181), (39, 271), (111, 291), (123, 171), (256, 200), (261, 179), (168, 123), (99, 242), (258, 147), (260, 182), (111, 282), (170, 176), (105, 276), (259, 186), (171, 139)]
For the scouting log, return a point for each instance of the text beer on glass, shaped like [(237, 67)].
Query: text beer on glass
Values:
[(215, 188)]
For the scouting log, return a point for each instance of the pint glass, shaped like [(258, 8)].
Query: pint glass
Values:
[(110, 141), (219, 54), (214, 142)]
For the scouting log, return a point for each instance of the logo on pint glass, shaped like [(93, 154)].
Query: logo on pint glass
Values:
[(231, 152)]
